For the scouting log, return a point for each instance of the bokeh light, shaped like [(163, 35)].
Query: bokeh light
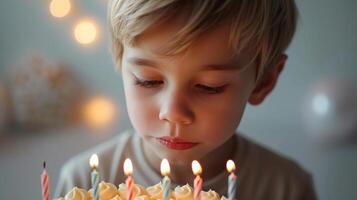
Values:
[(321, 104), (330, 111), (60, 8), (99, 112), (85, 32)]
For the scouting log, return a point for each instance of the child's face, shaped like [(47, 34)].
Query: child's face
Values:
[(185, 106)]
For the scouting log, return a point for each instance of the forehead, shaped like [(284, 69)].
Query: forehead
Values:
[(211, 47)]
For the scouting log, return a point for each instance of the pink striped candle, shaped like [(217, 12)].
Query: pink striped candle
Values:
[(128, 170), (45, 184), (197, 183)]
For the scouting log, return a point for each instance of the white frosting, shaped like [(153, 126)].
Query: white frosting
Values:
[(138, 190), (77, 194), (156, 193), (108, 191), (184, 192), (142, 197), (116, 197), (224, 198), (210, 195)]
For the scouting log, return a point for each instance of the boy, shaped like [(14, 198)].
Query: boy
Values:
[(189, 67)]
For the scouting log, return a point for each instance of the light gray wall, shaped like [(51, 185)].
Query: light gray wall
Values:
[(325, 45)]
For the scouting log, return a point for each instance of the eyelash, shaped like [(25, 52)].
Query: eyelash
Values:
[(153, 83), (147, 83)]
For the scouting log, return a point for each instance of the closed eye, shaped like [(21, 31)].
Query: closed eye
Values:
[(156, 83), (147, 83), (211, 90)]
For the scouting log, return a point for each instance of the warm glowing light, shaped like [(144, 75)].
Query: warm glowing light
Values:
[(128, 167), (321, 104), (60, 8), (94, 161), (165, 167), (85, 32), (196, 168), (99, 112), (230, 166)]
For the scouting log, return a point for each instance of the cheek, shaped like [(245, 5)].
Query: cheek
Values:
[(142, 111), (224, 123), (220, 121)]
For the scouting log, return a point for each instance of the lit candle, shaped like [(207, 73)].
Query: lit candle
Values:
[(166, 182), (232, 180), (45, 184), (197, 183), (93, 162), (128, 170)]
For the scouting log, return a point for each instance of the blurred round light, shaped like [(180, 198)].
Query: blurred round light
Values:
[(330, 111), (99, 112), (85, 32), (321, 104), (60, 8)]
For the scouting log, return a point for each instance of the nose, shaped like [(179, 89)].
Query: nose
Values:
[(175, 109)]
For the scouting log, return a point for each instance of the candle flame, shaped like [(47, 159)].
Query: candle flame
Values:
[(128, 167), (230, 166), (196, 168), (94, 161), (165, 167)]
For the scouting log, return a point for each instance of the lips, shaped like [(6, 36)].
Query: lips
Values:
[(176, 143)]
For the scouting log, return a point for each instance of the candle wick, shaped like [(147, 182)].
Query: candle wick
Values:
[(44, 164)]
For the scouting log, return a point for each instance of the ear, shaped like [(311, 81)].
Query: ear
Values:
[(267, 82)]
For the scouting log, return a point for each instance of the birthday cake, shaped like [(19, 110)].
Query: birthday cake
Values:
[(108, 191)]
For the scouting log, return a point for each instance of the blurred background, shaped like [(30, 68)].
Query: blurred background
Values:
[(60, 93)]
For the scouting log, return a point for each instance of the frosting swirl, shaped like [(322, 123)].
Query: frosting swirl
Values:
[(155, 192), (106, 191), (210, 195), (77, 194), (116, 197), (184, 192), (138, 190), (224, 198), (142, 197)]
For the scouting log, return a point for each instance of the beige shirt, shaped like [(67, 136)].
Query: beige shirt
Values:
[(262, 174)]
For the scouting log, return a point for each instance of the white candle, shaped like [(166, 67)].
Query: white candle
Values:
[(93, 162), (232, 180), (166, 182)]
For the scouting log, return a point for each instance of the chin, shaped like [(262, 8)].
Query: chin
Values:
[(178, 157)]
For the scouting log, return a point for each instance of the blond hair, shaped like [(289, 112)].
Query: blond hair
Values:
[(266, 26)]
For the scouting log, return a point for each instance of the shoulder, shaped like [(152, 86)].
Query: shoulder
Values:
[(76, 171), (103, 150), (274, 171), (269, 159)]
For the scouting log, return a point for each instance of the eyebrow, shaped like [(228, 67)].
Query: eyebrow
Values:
[(229, 66)]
